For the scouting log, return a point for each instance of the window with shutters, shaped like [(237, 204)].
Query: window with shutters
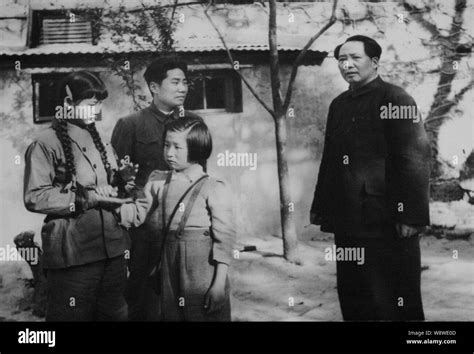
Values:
[(60, 27), (214, 90)]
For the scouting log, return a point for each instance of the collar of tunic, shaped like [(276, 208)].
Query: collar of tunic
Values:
[(372, 85), (159, 115)]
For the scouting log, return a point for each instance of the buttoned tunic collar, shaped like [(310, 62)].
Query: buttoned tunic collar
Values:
[(372, 85), (162, 117)]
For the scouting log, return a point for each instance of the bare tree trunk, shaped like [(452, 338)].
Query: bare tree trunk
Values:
[(280, 107), (441, 105), (290, 240)]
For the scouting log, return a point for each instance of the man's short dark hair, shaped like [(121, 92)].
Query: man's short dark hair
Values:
[(157, 70), (199, 139), (371, 47)]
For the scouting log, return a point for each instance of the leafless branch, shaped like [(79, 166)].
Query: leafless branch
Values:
[(174, 10), (449, 104), (417, 15), (458, 97), (229, 55), (299, 58), (274, 60), (430, 120), (136, 8)]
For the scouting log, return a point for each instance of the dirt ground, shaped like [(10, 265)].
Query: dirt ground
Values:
[(267, 288), (263, 282)]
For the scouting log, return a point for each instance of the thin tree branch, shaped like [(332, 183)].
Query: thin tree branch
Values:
[(417, 15), (174, 10), (458, 97), (299, 58), (229, 55), (448, 105), (274, 59), (430, 120), (136, 8)]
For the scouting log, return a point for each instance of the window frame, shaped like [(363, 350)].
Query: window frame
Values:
[(232, 91), (35, 74)]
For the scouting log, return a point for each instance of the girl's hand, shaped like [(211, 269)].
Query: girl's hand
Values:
[(107, 191), (108, 201), (215, 298)]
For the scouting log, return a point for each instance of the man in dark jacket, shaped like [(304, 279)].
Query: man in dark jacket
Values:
[(139, 137), (372, 189)]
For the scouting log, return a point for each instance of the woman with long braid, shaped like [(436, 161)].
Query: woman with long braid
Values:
[(73, 178)]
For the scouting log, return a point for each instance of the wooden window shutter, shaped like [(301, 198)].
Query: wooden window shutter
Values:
[(63, 30)]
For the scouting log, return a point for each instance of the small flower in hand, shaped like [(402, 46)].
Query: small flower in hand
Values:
[(127, 170)]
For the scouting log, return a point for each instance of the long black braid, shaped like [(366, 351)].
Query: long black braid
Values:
[(61, 132), (91, 128)]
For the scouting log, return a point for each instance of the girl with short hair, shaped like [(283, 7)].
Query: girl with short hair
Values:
[(193, 216)]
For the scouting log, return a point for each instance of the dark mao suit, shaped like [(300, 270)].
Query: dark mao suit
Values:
[(374, 173)]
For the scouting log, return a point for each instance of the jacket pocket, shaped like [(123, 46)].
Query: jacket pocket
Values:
[(112, 229), (148, 150), (53, 234), (374, 178), (374, 209), (374, 188)]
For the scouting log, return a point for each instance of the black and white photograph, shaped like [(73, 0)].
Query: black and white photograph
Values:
[(208, 161)]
